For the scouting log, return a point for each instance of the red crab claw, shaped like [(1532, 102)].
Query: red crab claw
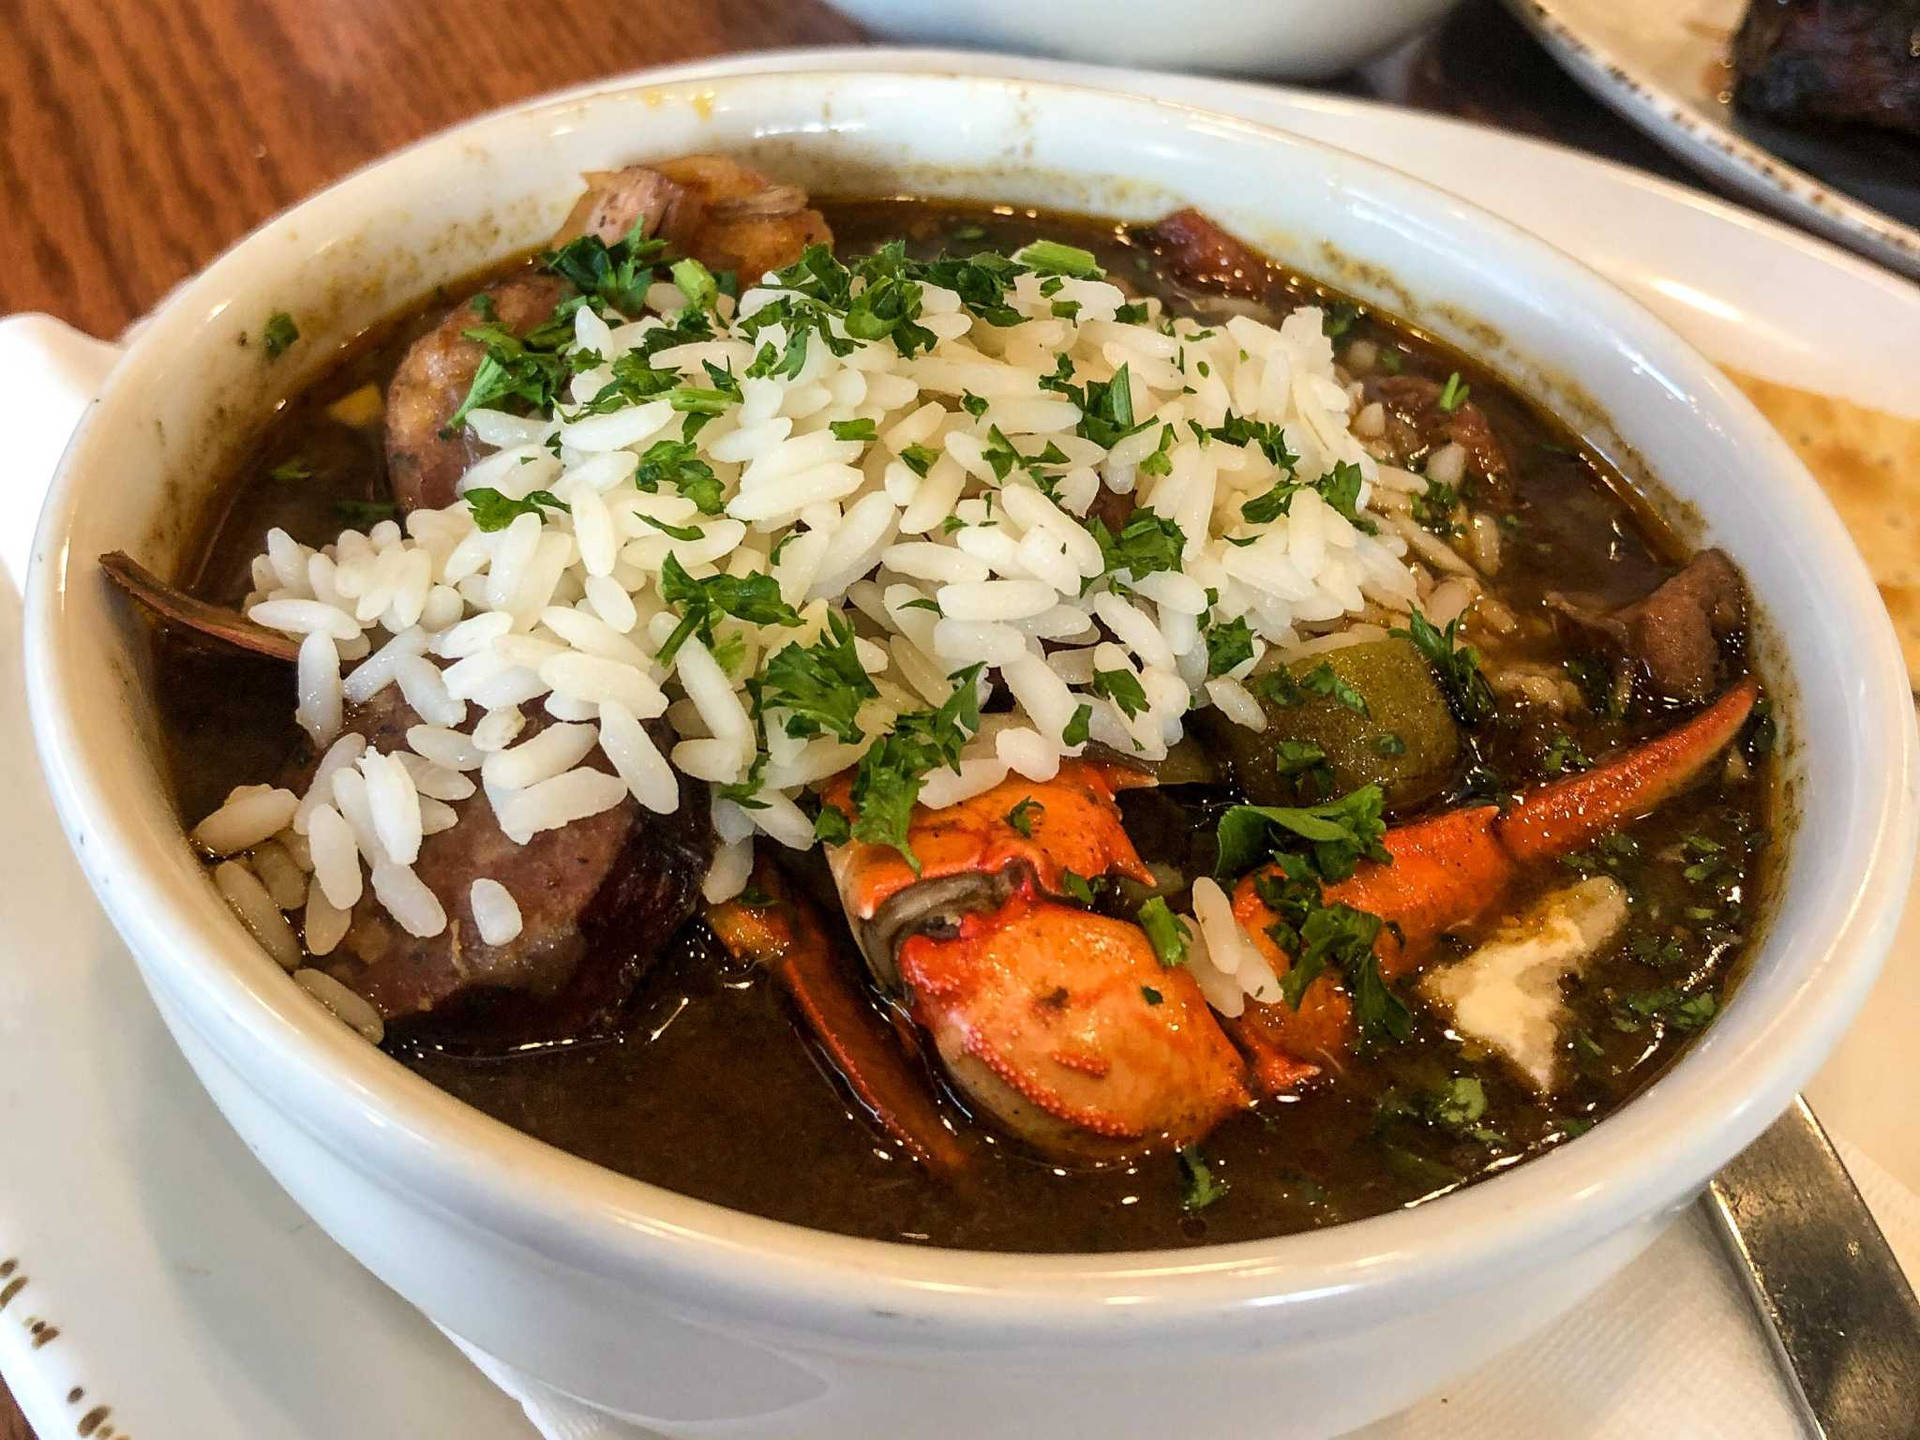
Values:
[(1453, 869)]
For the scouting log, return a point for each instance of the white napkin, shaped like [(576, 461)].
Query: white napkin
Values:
[(1670, 1347)]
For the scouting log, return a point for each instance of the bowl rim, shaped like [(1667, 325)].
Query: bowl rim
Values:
[(407, 1135)]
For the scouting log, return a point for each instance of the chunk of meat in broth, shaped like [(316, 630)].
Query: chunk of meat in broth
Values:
[(737, 218), (598, 899), (1418, 424), (1199, 253), (722, 213), (1672, 636)]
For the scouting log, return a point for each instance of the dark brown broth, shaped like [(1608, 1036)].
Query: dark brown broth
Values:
[(711, 1089)]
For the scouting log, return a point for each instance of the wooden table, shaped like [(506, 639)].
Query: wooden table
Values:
[(138, 138)]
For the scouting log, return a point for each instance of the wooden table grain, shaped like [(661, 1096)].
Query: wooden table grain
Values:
[(139, 138)]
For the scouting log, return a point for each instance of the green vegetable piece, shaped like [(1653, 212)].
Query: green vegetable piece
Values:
[(1050, 257), (1406, 741)]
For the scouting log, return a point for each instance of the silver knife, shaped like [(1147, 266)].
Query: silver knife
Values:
[(1842, 1318)]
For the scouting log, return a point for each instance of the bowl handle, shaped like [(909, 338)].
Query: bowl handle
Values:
[(49, 374)]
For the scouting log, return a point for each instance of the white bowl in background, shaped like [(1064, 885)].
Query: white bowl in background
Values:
[(1278, 39), (701, 1321)]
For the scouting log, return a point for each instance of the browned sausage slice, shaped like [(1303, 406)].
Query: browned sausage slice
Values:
[(424, 464), (596, 897)]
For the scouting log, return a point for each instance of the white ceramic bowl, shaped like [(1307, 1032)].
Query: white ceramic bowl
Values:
[(1278, 39), (702, 1321)]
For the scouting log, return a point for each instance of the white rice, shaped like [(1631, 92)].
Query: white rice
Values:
[(977, 561), (242, 890), (249, 816), (350, 1009), (496, 915)]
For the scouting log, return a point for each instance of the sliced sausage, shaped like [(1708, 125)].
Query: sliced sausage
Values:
[(596, 897), (423, 462)]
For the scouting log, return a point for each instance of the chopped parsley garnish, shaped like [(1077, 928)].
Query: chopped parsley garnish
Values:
[(1022, 816), (701, 603), (1304, 763), (1453, 394), (292, 471), (1166, 931), (1198, 1187), (853, 430), (1563, 755), (1340, 488), (1457, 1106), (634, 380), (1078, 727), (831, 826), (1146, 543), (1336, 937), (700, 400), (1269, 506), (1229, 645), (924, 602), (1077, 886), (821, 686), (1133, 313), (1611, 855), (1338, 318), (495, 511), (1270, 438), (279, 334), (676, 532), (1378, 1010), (1159, 462), (677, 463), (1123, 688), (1285, 689), (746, 793), (1596, 681), (1106, 406), (974, 405), (1433, 509), (1050, 257), (1672, 1008), (616, 275), (510, 369), (1455, 666), (919, 459), (1339, 834), (887, 781)]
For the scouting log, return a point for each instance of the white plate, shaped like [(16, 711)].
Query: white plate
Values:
[(1661, 64), (192, 1298)]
